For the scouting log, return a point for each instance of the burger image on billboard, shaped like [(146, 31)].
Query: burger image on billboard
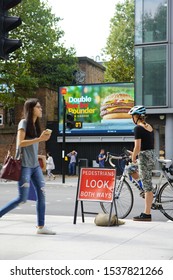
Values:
[(116, 106)]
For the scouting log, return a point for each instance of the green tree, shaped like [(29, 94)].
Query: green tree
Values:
[(120, 44), (42, 60)]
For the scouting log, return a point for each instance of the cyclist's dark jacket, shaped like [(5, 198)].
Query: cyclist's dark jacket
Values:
[(147, 137)]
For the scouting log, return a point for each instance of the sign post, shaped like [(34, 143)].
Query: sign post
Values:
[(63, 142), (95, 184)]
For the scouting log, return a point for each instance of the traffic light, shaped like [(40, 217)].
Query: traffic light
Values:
[(70, 123), (8, 23)]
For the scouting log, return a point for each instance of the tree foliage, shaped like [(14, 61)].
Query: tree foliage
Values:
[(120, 44), (42, 60)]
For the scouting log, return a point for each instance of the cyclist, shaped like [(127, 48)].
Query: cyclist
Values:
[(144, 149)]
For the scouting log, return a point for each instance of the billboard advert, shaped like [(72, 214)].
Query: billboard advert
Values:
[(102, 108)]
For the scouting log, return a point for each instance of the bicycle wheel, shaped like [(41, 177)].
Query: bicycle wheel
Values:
[(124, 201), (166, 200)]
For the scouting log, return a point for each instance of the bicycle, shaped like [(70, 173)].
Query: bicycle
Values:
[(163, 192)]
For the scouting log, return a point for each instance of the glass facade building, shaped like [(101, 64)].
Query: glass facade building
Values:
[(151, 52), (154, 67)]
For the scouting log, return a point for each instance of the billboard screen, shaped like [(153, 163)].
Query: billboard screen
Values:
[(102, 108)]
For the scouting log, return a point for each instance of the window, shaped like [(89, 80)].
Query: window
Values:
[(151, 68), (151, 21)]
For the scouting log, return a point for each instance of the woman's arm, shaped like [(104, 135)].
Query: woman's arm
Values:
[(136, 149), (22, 142)]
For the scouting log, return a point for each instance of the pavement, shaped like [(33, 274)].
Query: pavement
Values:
[(83, 240)]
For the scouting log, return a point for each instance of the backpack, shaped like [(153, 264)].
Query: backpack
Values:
[(97, 159)]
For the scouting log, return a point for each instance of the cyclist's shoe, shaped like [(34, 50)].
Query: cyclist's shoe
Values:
[(143, 217)]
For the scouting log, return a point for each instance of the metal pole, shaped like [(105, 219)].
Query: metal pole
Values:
[(63, 141)]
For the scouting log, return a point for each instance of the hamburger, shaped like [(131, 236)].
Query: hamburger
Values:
[(116, 106)]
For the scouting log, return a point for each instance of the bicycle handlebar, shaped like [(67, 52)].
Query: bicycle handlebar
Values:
[(110, 157)]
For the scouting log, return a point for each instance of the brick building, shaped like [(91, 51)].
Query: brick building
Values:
[(91, 71)]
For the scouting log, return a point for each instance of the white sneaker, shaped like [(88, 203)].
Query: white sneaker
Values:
[(45, 230)]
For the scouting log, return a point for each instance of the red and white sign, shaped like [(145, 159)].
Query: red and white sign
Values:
[(97, 184)]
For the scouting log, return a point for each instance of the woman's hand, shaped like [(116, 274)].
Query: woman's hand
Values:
[(44, 136)]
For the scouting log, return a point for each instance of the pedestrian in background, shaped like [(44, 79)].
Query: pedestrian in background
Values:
[(29, 135), (101, 158), (72, 164), (50, 166)]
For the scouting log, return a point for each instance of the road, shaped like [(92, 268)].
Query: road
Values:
[(60, 200)]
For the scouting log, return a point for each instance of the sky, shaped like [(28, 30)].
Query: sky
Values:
[(86, 24)]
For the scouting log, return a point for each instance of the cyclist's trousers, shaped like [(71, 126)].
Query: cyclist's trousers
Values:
[(146, 165)]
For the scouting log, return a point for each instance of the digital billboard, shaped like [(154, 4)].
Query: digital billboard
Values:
[(102, 108)]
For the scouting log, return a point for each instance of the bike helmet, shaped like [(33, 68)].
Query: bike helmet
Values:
[(137, 110)]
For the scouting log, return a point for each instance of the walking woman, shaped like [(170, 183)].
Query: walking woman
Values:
[(28, 137), (144, 149)]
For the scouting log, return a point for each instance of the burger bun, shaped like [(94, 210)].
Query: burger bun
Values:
[(117, 116)]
